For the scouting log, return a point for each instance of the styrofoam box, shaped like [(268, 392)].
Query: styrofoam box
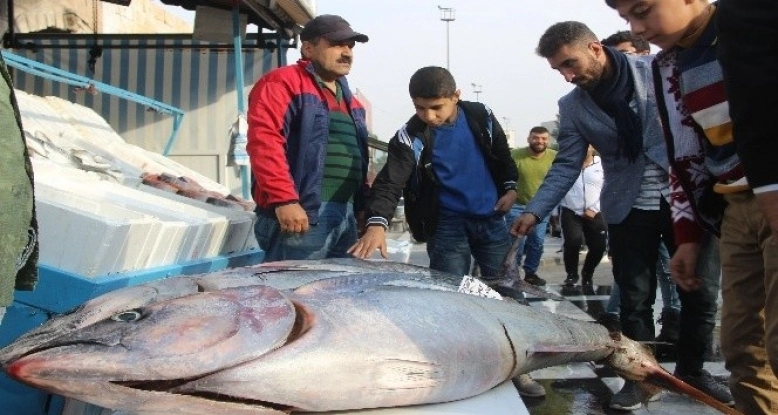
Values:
[(42, 121), (239, 235), (205, 232), (105, 245), (200, 240), (164, 237)]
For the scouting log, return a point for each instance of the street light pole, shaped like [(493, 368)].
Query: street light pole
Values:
[(447, 15), (477, 89)]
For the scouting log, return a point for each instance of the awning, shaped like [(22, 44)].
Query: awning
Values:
[(284, 16)]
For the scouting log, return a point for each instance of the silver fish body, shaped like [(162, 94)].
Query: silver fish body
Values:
[(349, 336)]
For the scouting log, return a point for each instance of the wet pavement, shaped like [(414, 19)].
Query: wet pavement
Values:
[(579, 388)]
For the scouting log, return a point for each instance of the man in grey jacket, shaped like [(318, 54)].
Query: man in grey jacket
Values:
[(613, 108)]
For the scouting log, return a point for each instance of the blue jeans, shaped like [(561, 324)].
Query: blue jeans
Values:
[(458, 237), (666, 285), (532, 247), (335, 233)]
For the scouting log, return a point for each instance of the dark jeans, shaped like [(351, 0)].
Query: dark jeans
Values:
[(330, 238), (457, 237), (635, 246), (577, 229)]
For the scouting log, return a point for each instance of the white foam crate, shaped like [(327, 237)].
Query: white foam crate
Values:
[(41, 120), (88, 244), (239, 236), (209, 229), (165, 237)]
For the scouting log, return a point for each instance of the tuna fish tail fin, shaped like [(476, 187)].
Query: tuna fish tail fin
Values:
[(634, 360)]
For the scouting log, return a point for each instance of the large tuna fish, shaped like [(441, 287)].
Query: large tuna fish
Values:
[(306, 336)]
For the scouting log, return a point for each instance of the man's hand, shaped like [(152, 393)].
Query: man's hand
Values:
[(768, 203), (523, 224), (589, 214), (683, 266), (374, 238), (292, 218), (505, 203)]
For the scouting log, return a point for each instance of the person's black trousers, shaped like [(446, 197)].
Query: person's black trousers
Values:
[(577, 230), (634, 245)]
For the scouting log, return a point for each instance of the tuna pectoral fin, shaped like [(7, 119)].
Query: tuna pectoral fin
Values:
[(568, 348), (665, 380), (516, 288)]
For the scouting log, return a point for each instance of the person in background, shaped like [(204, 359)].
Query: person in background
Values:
[(307, 143), (628, 43), (533, 162), (612, 108), (553, 223), (748, 53), (19, 244), (581, 221), (632, 44), (438, 160), (710, 194)]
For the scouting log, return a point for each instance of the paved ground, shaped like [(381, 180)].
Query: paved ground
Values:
[(577, 388)]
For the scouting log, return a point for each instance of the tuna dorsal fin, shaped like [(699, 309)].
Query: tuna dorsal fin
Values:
[(509, 284), (510, 266)]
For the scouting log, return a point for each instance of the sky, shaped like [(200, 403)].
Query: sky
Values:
[(491, 44)]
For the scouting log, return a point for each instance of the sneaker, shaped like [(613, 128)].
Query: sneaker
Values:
[(528, 387), (631, 397), (534, 279), (571, 279), (705, 382), (611, 321)]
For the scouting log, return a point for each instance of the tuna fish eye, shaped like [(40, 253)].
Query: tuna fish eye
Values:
[(126, 316)]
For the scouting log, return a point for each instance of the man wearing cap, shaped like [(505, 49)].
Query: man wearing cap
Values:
[(307, 142)]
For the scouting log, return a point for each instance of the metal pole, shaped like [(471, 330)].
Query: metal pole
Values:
[(245, 182), (477, 89), (447, 15), (448, 50)]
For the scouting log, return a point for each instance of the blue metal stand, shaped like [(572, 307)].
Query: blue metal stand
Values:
[(58, 75)]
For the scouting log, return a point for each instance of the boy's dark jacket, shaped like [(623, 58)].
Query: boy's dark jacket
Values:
[(408, 170)]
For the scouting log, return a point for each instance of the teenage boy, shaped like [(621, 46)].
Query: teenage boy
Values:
[(694, 111), (452, 163)]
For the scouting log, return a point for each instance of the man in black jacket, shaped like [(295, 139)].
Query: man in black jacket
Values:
[(452, 164), (451, 161)]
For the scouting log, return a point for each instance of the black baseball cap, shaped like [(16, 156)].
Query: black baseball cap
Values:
[(331, 27)]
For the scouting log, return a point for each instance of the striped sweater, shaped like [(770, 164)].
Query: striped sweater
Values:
[(695, 117)]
